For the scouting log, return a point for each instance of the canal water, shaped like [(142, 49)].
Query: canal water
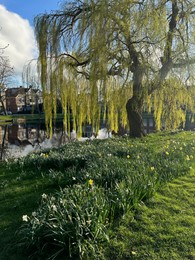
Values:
[(19, 139)]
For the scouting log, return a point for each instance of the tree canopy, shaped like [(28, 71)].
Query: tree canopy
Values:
[(115, 58)]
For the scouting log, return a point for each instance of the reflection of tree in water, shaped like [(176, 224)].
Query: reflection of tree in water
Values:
[(3, 145)]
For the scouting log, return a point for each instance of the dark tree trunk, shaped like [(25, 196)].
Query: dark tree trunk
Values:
[(135, 103), (3, 143), (134, 113), (3, 106)]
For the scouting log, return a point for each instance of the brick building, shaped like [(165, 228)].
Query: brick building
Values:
[(23, 99)]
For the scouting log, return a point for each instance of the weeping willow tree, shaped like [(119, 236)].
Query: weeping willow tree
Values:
[(108, 58)]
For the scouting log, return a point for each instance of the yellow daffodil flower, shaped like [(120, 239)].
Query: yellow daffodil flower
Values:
[(90, 182)]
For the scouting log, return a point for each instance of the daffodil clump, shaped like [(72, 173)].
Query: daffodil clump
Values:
[(76, 219)]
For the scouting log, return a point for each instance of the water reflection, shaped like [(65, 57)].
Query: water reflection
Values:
[(19, 139)]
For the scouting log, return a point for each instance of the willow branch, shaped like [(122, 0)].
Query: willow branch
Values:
[(184, 63), (78, 63)]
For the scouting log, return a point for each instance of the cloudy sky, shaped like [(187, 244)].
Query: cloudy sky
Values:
[(17, 32)]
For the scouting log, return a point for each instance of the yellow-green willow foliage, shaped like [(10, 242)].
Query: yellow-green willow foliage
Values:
[(115, 99), (85, 101), (170, 103), (91, 51)]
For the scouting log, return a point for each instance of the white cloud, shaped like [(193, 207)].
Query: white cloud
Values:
[(18, 35)]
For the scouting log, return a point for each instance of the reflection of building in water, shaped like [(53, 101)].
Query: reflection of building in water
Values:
[(22, 134)]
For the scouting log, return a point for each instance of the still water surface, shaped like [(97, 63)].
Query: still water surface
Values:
[(19, 139)]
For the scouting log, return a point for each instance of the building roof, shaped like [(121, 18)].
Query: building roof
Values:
[(14, 92)]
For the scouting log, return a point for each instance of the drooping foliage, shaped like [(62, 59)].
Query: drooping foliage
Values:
[(107, 58), (170, 104)]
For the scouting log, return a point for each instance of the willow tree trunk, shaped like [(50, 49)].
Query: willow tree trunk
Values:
[(134, 113), (3, 105), (134, 105)]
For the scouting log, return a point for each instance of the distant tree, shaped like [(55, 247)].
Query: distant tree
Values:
[(30, 76), (128, 54), (6, 72)]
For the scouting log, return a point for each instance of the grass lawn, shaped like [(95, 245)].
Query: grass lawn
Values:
[(147, 189), (162, 228)]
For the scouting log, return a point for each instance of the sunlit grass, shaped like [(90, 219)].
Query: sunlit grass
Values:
[(162, 228)]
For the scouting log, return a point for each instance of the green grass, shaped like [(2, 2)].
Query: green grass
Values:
[(18, 196), (140, 222), (162, 228), (3, 119), (26, 117)]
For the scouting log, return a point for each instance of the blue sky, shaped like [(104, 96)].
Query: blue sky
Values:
[(17, 32), (28, 9)]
